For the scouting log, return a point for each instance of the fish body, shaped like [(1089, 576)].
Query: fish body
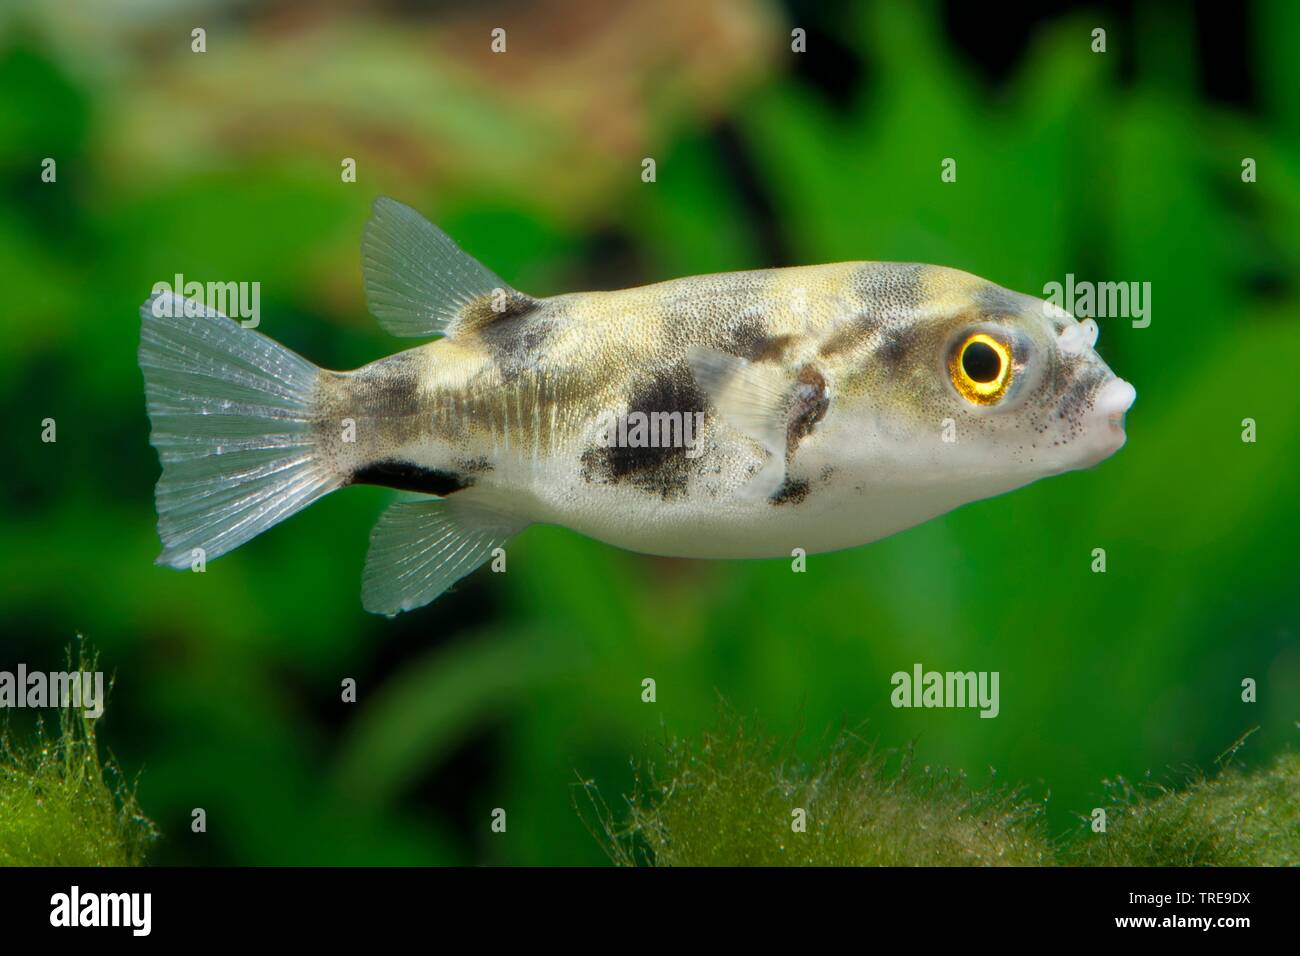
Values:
[(738, 415)]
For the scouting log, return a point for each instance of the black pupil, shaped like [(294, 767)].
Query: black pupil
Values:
[(981, 362)]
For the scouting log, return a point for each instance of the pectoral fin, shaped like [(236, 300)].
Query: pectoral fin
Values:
[(422, 546), (753, 399)]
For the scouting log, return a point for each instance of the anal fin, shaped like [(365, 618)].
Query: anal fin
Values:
[(422, 546)]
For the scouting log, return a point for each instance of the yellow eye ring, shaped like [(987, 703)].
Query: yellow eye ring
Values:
[(980, 369)]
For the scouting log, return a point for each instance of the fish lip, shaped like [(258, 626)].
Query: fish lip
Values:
[(1113, 401), (1109, 408), (1103, 428)]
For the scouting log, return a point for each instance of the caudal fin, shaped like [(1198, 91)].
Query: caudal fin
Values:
[(232, 415)]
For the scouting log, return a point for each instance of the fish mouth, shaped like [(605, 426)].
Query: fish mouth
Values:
[(1112, 403), (1112, 400), (1107, 435)]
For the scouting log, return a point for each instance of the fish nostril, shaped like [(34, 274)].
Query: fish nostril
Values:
[(1090, 331), (1077, 337)]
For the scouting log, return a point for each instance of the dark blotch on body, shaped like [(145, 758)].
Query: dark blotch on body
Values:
[(808, 406), (382, 399), (405, 476), (897, 344), (749, 340), (794, 491), (888, 287), (478, 314), (517, 336), (883, 292), (995, 302), (658, 471), (847, 337), (391, 389)]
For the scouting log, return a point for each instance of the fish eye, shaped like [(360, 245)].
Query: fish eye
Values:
[(980, 369)]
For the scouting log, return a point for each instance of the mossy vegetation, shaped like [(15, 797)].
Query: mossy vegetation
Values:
[(739, 797), (1232, 819), (735, 798), (61, 805)]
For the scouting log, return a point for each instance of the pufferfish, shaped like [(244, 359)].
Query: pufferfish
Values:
[(739, 415)]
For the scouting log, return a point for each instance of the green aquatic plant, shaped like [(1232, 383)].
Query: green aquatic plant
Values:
[(739, 798), (1232, 819), (62, 805)]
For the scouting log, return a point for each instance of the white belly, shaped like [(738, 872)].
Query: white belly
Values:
[(847, 500), (842, 507)]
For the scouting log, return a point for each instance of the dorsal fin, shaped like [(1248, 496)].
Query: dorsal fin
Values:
[(418, 281)]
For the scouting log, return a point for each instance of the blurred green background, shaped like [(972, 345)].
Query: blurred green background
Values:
[(1122, 166)]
